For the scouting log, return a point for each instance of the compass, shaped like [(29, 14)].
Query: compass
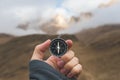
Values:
[(58, 47)]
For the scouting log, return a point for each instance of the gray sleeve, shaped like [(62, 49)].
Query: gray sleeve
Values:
[(40, 70)]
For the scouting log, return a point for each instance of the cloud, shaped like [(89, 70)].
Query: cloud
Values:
[(101, 16), (112, 2), (15, 12), (40, 15), (79, 6)]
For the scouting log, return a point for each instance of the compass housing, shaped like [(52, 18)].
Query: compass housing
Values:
[(58, 47)]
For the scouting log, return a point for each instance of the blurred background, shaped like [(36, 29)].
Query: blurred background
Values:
[(93, 25)]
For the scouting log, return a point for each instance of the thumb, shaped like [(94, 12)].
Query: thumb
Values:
[(39, 50)]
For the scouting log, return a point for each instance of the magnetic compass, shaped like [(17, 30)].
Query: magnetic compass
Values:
[(58, 47)]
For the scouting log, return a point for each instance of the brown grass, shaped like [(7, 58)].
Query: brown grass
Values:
[(98, 50)]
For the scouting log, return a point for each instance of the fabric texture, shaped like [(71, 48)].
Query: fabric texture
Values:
[(40, 70)]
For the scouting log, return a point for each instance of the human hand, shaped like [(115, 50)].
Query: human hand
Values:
[(68, 64)]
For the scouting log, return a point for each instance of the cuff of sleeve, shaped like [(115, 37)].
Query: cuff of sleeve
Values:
[(36, 65)]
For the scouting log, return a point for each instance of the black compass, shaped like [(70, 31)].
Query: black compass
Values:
[(58, 47)]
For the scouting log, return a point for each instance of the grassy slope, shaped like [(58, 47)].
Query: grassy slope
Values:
[(98, 53), (15, 55), (4, 38)]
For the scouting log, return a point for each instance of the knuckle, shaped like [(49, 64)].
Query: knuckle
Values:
[(68, 56), (37, 47), (71, 52), (80, 66), (77, 69), (68, 66), (76, 59)]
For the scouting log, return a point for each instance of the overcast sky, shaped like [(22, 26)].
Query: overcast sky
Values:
[(14, 12)]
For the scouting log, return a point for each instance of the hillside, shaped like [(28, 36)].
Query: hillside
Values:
[(15, 55), (103, 37), (97, 49), (100, 51), (4, 38)]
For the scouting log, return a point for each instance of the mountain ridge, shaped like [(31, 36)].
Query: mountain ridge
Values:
[(98, 63)]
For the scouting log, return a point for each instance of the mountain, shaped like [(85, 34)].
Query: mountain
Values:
[(104, 37), (15, 55), (100, 51), (97, 49), (4, 38)]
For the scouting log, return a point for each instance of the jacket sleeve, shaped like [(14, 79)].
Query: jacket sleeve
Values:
[(40, 70)]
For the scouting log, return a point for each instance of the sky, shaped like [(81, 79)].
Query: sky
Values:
[(15, 12)]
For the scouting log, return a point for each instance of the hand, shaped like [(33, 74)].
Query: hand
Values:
[(68, 64)]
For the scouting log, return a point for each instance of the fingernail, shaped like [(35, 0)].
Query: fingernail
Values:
[(64, 71), (60, 64), (70, 75)]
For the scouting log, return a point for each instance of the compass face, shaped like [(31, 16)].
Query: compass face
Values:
[(58, 47)]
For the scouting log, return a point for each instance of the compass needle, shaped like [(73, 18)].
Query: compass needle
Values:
[(60, 48)]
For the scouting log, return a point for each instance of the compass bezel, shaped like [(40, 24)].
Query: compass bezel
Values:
[(66, 47)]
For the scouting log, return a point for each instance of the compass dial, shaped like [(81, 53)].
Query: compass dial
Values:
[(58, 47)]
